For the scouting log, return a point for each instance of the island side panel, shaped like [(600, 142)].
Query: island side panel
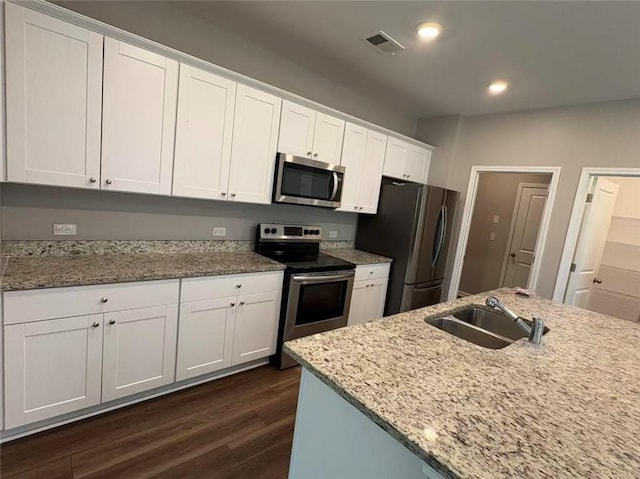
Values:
[(333, 439)]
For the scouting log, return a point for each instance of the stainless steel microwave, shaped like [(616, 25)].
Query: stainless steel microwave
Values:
[(304, 181)]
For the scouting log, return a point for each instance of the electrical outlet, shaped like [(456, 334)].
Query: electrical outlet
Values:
[(333, 234), (60, 229), (219, 231), (492, 236), (496, 219)]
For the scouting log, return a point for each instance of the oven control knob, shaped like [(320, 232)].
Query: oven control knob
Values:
[(266, 230), (273, 231), (316, 232), (306, 232)]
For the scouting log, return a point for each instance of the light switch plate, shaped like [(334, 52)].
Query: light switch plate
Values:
[(333, 234), (219, 231), (496, 219), (492, 236), (64, 229)]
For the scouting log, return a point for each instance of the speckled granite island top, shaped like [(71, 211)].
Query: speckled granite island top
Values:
[(55, 271), (356, 256), (568, 409)]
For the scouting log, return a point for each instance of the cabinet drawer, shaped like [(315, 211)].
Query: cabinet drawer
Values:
[(372, 271), (37, 305), (212, 287)]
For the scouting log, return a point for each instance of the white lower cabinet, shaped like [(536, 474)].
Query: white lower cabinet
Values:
[(139, 350), (369, 293), (256, 327)]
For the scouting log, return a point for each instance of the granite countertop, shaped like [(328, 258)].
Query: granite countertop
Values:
[(356, 256), (54, 271), (570, 408)]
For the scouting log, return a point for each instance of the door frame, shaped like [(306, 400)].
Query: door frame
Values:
[(577, 212), (467, 214), (512, 227)]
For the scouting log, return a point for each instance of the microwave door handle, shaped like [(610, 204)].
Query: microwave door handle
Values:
[(336, 182)]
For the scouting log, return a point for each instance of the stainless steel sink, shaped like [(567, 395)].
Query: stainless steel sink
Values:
[(480, 326)]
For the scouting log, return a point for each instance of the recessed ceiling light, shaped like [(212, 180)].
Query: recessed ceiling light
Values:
[(429, 30), (498, 87)]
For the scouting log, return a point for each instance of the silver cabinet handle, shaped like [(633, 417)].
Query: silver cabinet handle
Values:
[(112, 322), (241, 303), (104, 300), (92, 180), (238, 285), (108, 181), (232, 304), (96, 324), (233, 195)]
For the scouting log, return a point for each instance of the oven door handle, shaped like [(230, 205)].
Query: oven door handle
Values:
[(322, 278), (336, 183)]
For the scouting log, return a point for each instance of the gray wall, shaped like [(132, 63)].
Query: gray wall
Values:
[(29, 211), (600, 134), (483, 258), (162, 23)]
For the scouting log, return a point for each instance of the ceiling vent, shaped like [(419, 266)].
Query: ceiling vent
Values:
[(383, 43)]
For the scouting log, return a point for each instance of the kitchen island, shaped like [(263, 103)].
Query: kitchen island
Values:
[(397, 397)]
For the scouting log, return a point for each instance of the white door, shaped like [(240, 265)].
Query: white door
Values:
[(139, 116), (376, 297), (139, 350), (353, 152), (358, 306), (255, 145), (591, 242), (523, 235), (327, 138), (296, 129), (52, 367), (54, 100), (205, 337), (204, 130), (256, 326), (372, 172), (417, 159), (395, 158)]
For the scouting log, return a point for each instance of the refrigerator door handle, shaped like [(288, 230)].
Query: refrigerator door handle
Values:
[(441, 234)]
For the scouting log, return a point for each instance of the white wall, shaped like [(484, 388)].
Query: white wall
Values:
[(628, 201), (600, 134)]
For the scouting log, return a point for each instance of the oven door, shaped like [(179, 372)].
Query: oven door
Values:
[(304, 181), (317, 302)]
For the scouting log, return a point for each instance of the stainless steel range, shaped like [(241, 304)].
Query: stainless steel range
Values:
[(317, 287)]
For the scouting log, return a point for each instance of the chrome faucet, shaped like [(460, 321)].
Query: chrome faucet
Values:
[(534, 332)]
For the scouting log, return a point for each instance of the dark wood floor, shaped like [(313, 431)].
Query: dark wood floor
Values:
[(236, 427)]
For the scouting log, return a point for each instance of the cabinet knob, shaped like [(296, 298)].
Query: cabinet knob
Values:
[(96, 324), (104, 300), (232, 304), (92, 180), (241, 303), (597, 281), (408, 176), (222, 193), (366, 285), (315, 155), (355, 207), (513, 255), (360, 208), (309, 153), (370, 272), (112, 322), (238, 285), (108, 181), (233, 195)]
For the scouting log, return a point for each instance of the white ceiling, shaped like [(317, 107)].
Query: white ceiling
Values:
[(552, 53)]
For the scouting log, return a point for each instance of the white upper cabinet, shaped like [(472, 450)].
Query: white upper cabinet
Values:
[(53, 100), (254, 146), (353, 151), (327, 138), (406, 161), (139, 115), (297, 125), (305, 132), (363, 156), (204, 129)]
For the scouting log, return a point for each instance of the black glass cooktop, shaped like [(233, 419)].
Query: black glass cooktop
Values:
[(324, 262)]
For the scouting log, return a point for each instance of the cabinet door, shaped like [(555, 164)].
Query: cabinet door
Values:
[(395, 158), (376, 298), (203, 134), (54, 100), (52, 367), (372, 172), (297, 124), (256, 326), (255, 144), (139, 350), (353, 152), (358, 304), (205, 337), (416, 162), (327, 138), (139, 116)]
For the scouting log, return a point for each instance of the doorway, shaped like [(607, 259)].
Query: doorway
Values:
[(604, 274), (504, 223)]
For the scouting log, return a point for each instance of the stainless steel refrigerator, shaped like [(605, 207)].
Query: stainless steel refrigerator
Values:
[(413, 226)]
